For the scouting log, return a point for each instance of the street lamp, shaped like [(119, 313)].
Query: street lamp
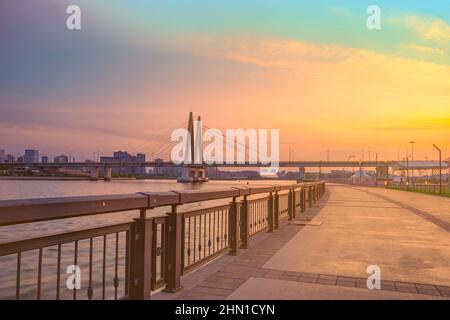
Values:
[(412, 159), (376, 170), (405, 158), (412, 150), (440, 168)]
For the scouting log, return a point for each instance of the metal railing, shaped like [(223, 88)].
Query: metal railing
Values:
[(130, 260), (433, 188)]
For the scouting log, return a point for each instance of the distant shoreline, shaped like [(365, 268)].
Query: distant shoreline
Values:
[(55, 178)]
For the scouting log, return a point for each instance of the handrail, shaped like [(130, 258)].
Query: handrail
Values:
[(158, 249), (33, 210)]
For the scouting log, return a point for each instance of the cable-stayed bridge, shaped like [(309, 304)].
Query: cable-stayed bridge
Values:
[(158, 148)]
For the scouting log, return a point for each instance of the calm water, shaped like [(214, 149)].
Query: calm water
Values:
[(25, 189)]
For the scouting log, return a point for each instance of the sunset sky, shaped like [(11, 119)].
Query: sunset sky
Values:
[(310, 68)]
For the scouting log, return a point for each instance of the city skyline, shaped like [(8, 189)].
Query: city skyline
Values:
[(133, 72)]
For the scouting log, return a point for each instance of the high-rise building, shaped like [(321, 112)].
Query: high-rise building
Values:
[(9, 158), (2, 156), (31, 156), (44, 159)]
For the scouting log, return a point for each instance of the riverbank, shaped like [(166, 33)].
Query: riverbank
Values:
[(24, 178)]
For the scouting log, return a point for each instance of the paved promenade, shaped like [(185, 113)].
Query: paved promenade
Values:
[(405, 234)]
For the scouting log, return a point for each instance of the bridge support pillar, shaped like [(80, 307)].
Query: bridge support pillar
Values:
[(301, 173), (107, 173), (193, 174), (93, 174)]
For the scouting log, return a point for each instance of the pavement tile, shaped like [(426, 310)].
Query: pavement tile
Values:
[(326, 281), (443, 289), (327, 277), (405, 287), (291, 273), (199, 296), (221, 285), (273, 274), (387, 283), (430, 292), (233, 275), (310, 275), (388, 287), (346, 282), (214, 291), (288, 277), (307, 279), (361, 283)]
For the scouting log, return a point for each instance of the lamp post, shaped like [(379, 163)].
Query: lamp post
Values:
[(412, 159), (440, 168), (405, 158), (376, 170)]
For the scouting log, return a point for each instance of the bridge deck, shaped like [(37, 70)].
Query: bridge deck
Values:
[(405, 234)]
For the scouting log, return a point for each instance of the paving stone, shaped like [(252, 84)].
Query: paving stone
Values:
[(233, 275), (326, 281), (273, 274), (425, 286), (444, 291), (388, 287), (405, 287), (307, 279), (218, 280), (310, 275), (327, 277), (387, 283), (430, 292), (222, 285), (199, 296), (346, 282), (288, 277), (361, 283), (291, 273), (214, 291)]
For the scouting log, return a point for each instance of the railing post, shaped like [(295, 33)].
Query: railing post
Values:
[(234, 228), (141, 258), (245, 223), (270, 212), (303, 198), (310, 195), (174, 252), (276, 210), (290, 211)]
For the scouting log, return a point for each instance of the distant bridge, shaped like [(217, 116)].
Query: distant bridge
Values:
[(284, 164), (195, 172)]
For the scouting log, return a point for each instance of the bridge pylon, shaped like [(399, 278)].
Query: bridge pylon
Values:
[(193, 169)]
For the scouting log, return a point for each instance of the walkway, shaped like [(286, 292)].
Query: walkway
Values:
[(405, 234)]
